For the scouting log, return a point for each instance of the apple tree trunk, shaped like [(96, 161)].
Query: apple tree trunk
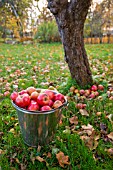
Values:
[(70, 18)]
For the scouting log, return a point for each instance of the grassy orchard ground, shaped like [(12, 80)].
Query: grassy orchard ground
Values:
[(85, 140)]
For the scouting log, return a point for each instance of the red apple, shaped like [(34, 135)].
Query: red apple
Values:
[(76, 91), (19, 101), (83, 105), (34, 95), (60, 97), (43, 99), (87, 92), (6, 93), (92, 95), (45, 108), (50, 93), (82, 91), (50, 103), (79, 106), (23, 92), (57, 104), (31, 90), (26, 99), (96, 93), (100, 87), (94, 88), (14, 95), (33, 106)]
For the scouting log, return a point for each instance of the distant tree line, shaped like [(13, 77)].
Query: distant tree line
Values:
[(18, 16)]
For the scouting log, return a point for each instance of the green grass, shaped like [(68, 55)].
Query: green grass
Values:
[(42, 65)]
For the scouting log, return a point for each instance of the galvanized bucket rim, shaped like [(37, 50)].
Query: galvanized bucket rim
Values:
[(38, 112)]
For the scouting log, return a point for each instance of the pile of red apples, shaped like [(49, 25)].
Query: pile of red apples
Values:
[(37, 100), (90, 93)]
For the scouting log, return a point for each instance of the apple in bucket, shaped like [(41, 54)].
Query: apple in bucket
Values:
[(33, 99)]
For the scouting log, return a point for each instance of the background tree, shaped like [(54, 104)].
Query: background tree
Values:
[(108, 16), (70, 18), (98, 21), (19, 9)]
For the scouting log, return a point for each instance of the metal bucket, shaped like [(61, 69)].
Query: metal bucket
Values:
[(38, 128)]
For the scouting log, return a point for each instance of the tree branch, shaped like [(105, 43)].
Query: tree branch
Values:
[(57, 6), (80, 7)]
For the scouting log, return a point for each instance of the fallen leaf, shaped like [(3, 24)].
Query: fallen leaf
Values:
[(12, 130), (83, 112), (49, 155), (90, 141), (62, 159), (17, 160), (41, 160), (110, 151), (73, 120), (23, 167), (88, 129), (2, 151), (110, 135), (110, 117)]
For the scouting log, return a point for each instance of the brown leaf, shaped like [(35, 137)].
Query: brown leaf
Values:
[(110, 151), (17, 160), (90, 141), (110, 135), (62, 159), (23, 167), (49, 155), (41, 160), (88, 129), (2, 151), (73, 120), (83, 112), (110, 117)]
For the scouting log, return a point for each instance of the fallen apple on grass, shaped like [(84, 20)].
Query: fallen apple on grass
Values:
[(100, 87), (94, 88)]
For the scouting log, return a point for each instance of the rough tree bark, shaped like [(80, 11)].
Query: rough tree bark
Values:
[(70, 18)]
